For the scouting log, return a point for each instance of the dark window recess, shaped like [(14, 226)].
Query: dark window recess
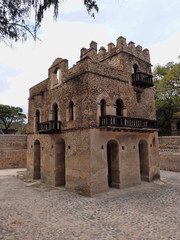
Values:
[(178, 125), (103, 107), (138, 97), (71, 111), (119, 107), (135, 68), (37, 120)]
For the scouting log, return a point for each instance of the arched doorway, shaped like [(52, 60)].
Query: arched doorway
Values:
[(60, 163), (37, 160), (113, 164), (143, 158)]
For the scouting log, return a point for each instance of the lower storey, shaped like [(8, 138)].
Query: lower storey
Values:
[(93, 160)]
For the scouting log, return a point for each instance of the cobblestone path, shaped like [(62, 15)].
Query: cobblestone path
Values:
[(38, 212)]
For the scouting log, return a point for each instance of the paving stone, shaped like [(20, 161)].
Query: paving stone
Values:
[(147, 211)]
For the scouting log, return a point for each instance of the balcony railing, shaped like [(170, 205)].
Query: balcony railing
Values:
[(140, 79), (50, 127), (127, 122)]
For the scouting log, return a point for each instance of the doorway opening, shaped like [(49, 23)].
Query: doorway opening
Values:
[(37, 160), (143, 159), (113, 164), (60, 163)]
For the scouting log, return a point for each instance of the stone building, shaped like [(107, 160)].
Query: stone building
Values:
[(175, 124), (93, 126)]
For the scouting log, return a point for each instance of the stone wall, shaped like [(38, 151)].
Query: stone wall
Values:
[(169, 151), (13, 151)]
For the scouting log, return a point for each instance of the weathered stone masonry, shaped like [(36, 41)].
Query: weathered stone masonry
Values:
[(93, 126), (13, 151)]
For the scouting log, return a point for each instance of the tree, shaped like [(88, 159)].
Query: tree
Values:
[(167, 94), (9, 115), (15, 17)]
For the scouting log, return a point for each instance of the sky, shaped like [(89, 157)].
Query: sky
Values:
[(153, 24)]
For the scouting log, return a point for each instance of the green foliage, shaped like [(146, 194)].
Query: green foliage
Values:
[(9, 115), (167, 94), (15, 17)]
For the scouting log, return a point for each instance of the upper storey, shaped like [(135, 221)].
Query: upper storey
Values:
[(106, 84), (124, 61)]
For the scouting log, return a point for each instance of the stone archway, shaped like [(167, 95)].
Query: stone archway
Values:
[(37, 160), (113, 164), (60, 163), (143, 159)]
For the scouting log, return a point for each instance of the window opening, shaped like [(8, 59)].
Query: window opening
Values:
[(103, 107), (55, 114), (71, 111), (119, 107), (135, 68), (57, 74), (138, 97), (37, 120)]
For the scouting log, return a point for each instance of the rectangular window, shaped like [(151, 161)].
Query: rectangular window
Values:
[(138, 97)]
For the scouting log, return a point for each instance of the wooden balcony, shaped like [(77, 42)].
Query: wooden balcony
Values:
[(127, 122), (143, 80), (50, 127)]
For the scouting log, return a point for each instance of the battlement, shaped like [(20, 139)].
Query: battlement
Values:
[(121, 46)]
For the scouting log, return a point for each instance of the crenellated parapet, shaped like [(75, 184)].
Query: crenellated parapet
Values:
[(121, 46)]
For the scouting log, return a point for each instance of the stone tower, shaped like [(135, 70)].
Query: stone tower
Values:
[(93, 126)]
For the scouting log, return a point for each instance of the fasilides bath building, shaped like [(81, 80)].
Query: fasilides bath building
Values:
[(93, 126)]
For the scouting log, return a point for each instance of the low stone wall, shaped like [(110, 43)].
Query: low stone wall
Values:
[(169, 151), (13, 151)]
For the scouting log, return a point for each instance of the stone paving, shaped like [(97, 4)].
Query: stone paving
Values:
[(33, 211)]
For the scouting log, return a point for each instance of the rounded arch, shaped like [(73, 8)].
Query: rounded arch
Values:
[(60, 173), (119, 107), (135, 68), (37, 160), (144, 160), (54, 110), (103, 107), (113, 164), (57, 73)]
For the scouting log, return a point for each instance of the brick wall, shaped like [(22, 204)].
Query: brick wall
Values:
[(13, 151), (169, 151)]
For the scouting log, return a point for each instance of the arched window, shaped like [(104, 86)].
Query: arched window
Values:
[(57, 74), (37, 120), (55, 112), (71, 111), (103, 107), (119, 107), (135, 68)]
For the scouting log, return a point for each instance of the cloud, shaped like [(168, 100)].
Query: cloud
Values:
[(152, 24), (32, 60), (166, 51)]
